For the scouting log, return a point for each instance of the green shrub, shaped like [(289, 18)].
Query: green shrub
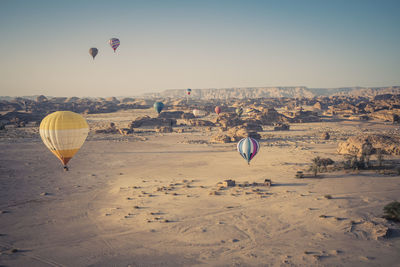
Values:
[(392, 211)]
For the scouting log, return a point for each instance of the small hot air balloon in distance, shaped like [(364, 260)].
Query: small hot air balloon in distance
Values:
[(217, 110), (63, 133), (93, 52), (188, 91), (199, 113), (158, 106), (248, 148), (239, 111), (114, 43)]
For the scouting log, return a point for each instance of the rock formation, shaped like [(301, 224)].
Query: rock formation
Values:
[(234, 134), (164, 129), (387, 144), (197, 122), (228, 120), (146, 121), (171, 114)]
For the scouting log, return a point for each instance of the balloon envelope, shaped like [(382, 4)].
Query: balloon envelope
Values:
[(114, 43), (93, 52), (217, 110), (63, 132), (158, 106), (199, 113), (248, 147)]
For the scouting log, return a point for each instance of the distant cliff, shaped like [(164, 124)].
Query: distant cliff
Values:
[(356, 91), (258, 92), (244, 92), (274, 92)]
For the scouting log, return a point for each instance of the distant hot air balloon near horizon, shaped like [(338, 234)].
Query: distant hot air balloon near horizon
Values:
[(93, 52), (63, 133), (158, 106), (217, 110), (239, 111), (199, 113), (114, 43), (248, 148), (188, 91)]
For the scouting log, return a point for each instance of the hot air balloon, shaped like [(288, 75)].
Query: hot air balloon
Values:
[(239, 111), (93, 52), (64, 132), (199, 113), (188, 91), (114, 42), (248, 148), (217, 110), (158, 106)]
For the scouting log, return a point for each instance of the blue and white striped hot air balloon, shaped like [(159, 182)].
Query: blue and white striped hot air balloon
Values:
[(248, 148)]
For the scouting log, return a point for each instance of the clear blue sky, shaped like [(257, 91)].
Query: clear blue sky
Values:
[(195, 44)]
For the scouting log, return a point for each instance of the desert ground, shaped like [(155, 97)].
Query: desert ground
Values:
[(150, 199)]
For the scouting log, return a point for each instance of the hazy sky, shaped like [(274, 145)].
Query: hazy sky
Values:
[(195, 44)]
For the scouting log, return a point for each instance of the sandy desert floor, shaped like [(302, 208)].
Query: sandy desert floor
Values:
[(144, 200)]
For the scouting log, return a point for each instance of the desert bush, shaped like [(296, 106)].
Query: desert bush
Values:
[(316, 164), (352, 162), (366, 152), (379, 157), (320, 165), (392, 211), (325, 162)]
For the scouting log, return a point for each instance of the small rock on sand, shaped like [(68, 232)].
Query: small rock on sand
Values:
[(335, 252), (366, 258)]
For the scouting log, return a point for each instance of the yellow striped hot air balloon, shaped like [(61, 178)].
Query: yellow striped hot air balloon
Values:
[(64, 132)]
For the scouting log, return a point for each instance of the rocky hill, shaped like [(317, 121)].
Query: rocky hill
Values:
[(240, 93), (274, 92), (247, 93)]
